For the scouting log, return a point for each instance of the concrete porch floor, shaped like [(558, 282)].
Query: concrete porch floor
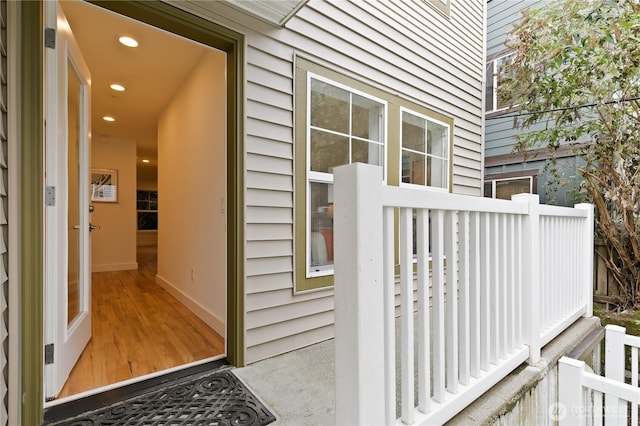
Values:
[(299, 387)]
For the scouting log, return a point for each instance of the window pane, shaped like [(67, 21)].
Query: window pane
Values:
[(501, 63), (366, 118), (413, 168), (365, 152), (413, 132), (147, 221), (488, 188), (321, 238), (328, 151), (438, 172), (437, 142), (505, 189), (488, 97), (329, 107)]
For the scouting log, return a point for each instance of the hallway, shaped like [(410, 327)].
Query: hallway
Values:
[(138, 328)]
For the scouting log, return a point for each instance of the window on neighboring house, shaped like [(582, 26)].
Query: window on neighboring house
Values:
[(340, 120), (505, 188), (495, 77), (147, 206), (425, 151), (345, 126)]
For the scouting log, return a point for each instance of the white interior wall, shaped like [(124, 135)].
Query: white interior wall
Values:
[(192, 192)]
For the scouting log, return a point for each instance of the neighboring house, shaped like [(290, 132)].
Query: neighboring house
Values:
[(310, 85), (506, 172)]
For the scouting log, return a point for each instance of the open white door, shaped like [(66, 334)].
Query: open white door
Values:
[(68, 276)]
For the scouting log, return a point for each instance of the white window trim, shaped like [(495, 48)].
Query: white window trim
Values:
[(321, 177), (448, 158), (494, 92)]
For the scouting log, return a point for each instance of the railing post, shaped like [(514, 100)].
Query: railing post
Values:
[(587, 256), (571, 405), (359, 325), (530, 246), (614, 365)]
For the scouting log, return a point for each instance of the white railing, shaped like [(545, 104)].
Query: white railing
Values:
[(615, 363), (484, 316), (586, 398), (580, 397)]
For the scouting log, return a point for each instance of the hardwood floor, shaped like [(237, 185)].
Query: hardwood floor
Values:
[(138, 328)]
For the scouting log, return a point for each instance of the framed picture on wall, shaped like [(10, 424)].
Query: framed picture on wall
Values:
[(104, 185)]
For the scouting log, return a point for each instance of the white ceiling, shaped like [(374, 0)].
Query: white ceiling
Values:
[(151, 73)]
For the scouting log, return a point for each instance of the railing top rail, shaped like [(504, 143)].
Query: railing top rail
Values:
[(631, 340), (393, 196), (609, 386), (558, 211)]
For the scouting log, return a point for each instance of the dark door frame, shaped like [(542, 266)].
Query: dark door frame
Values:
[(31, 123)]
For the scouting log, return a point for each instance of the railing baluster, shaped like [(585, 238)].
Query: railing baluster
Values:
[(544, 268), (464, 325), (511, 283), (389, 314), (485, 300), (437, 262), (519, 283), (572, 250), (634, 382), (503, 284), (451, 323), (597, 408), (494, 292), (405, 242), (474, 293), (424, 337)]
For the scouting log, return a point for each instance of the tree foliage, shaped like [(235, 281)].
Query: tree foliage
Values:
[(575, 79)]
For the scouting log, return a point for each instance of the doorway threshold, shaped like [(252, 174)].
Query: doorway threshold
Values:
[(74, 405)]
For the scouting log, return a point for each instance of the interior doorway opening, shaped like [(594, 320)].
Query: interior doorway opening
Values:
[(177, 275)]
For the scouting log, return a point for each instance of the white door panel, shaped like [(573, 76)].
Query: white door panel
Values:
[(68, 275)]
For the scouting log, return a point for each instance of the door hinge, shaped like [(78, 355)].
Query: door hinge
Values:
[(48, 354), (50, 38), (50, 196)]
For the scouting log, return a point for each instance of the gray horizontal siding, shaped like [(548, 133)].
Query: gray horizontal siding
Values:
[(501, 15), (406, 48)]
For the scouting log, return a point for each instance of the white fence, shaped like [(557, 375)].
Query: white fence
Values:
[(521, 274), (586, 398)]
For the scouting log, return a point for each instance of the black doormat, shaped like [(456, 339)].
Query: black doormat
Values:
[(218, 398)]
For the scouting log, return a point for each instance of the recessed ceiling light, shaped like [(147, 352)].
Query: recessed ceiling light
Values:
[(128, 41), (117, 87), (145, 161), (108, 118)]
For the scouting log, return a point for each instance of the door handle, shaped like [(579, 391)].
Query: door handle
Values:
[(91, 227)]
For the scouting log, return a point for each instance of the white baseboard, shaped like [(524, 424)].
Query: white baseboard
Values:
[(108, 267), (201, 312)]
